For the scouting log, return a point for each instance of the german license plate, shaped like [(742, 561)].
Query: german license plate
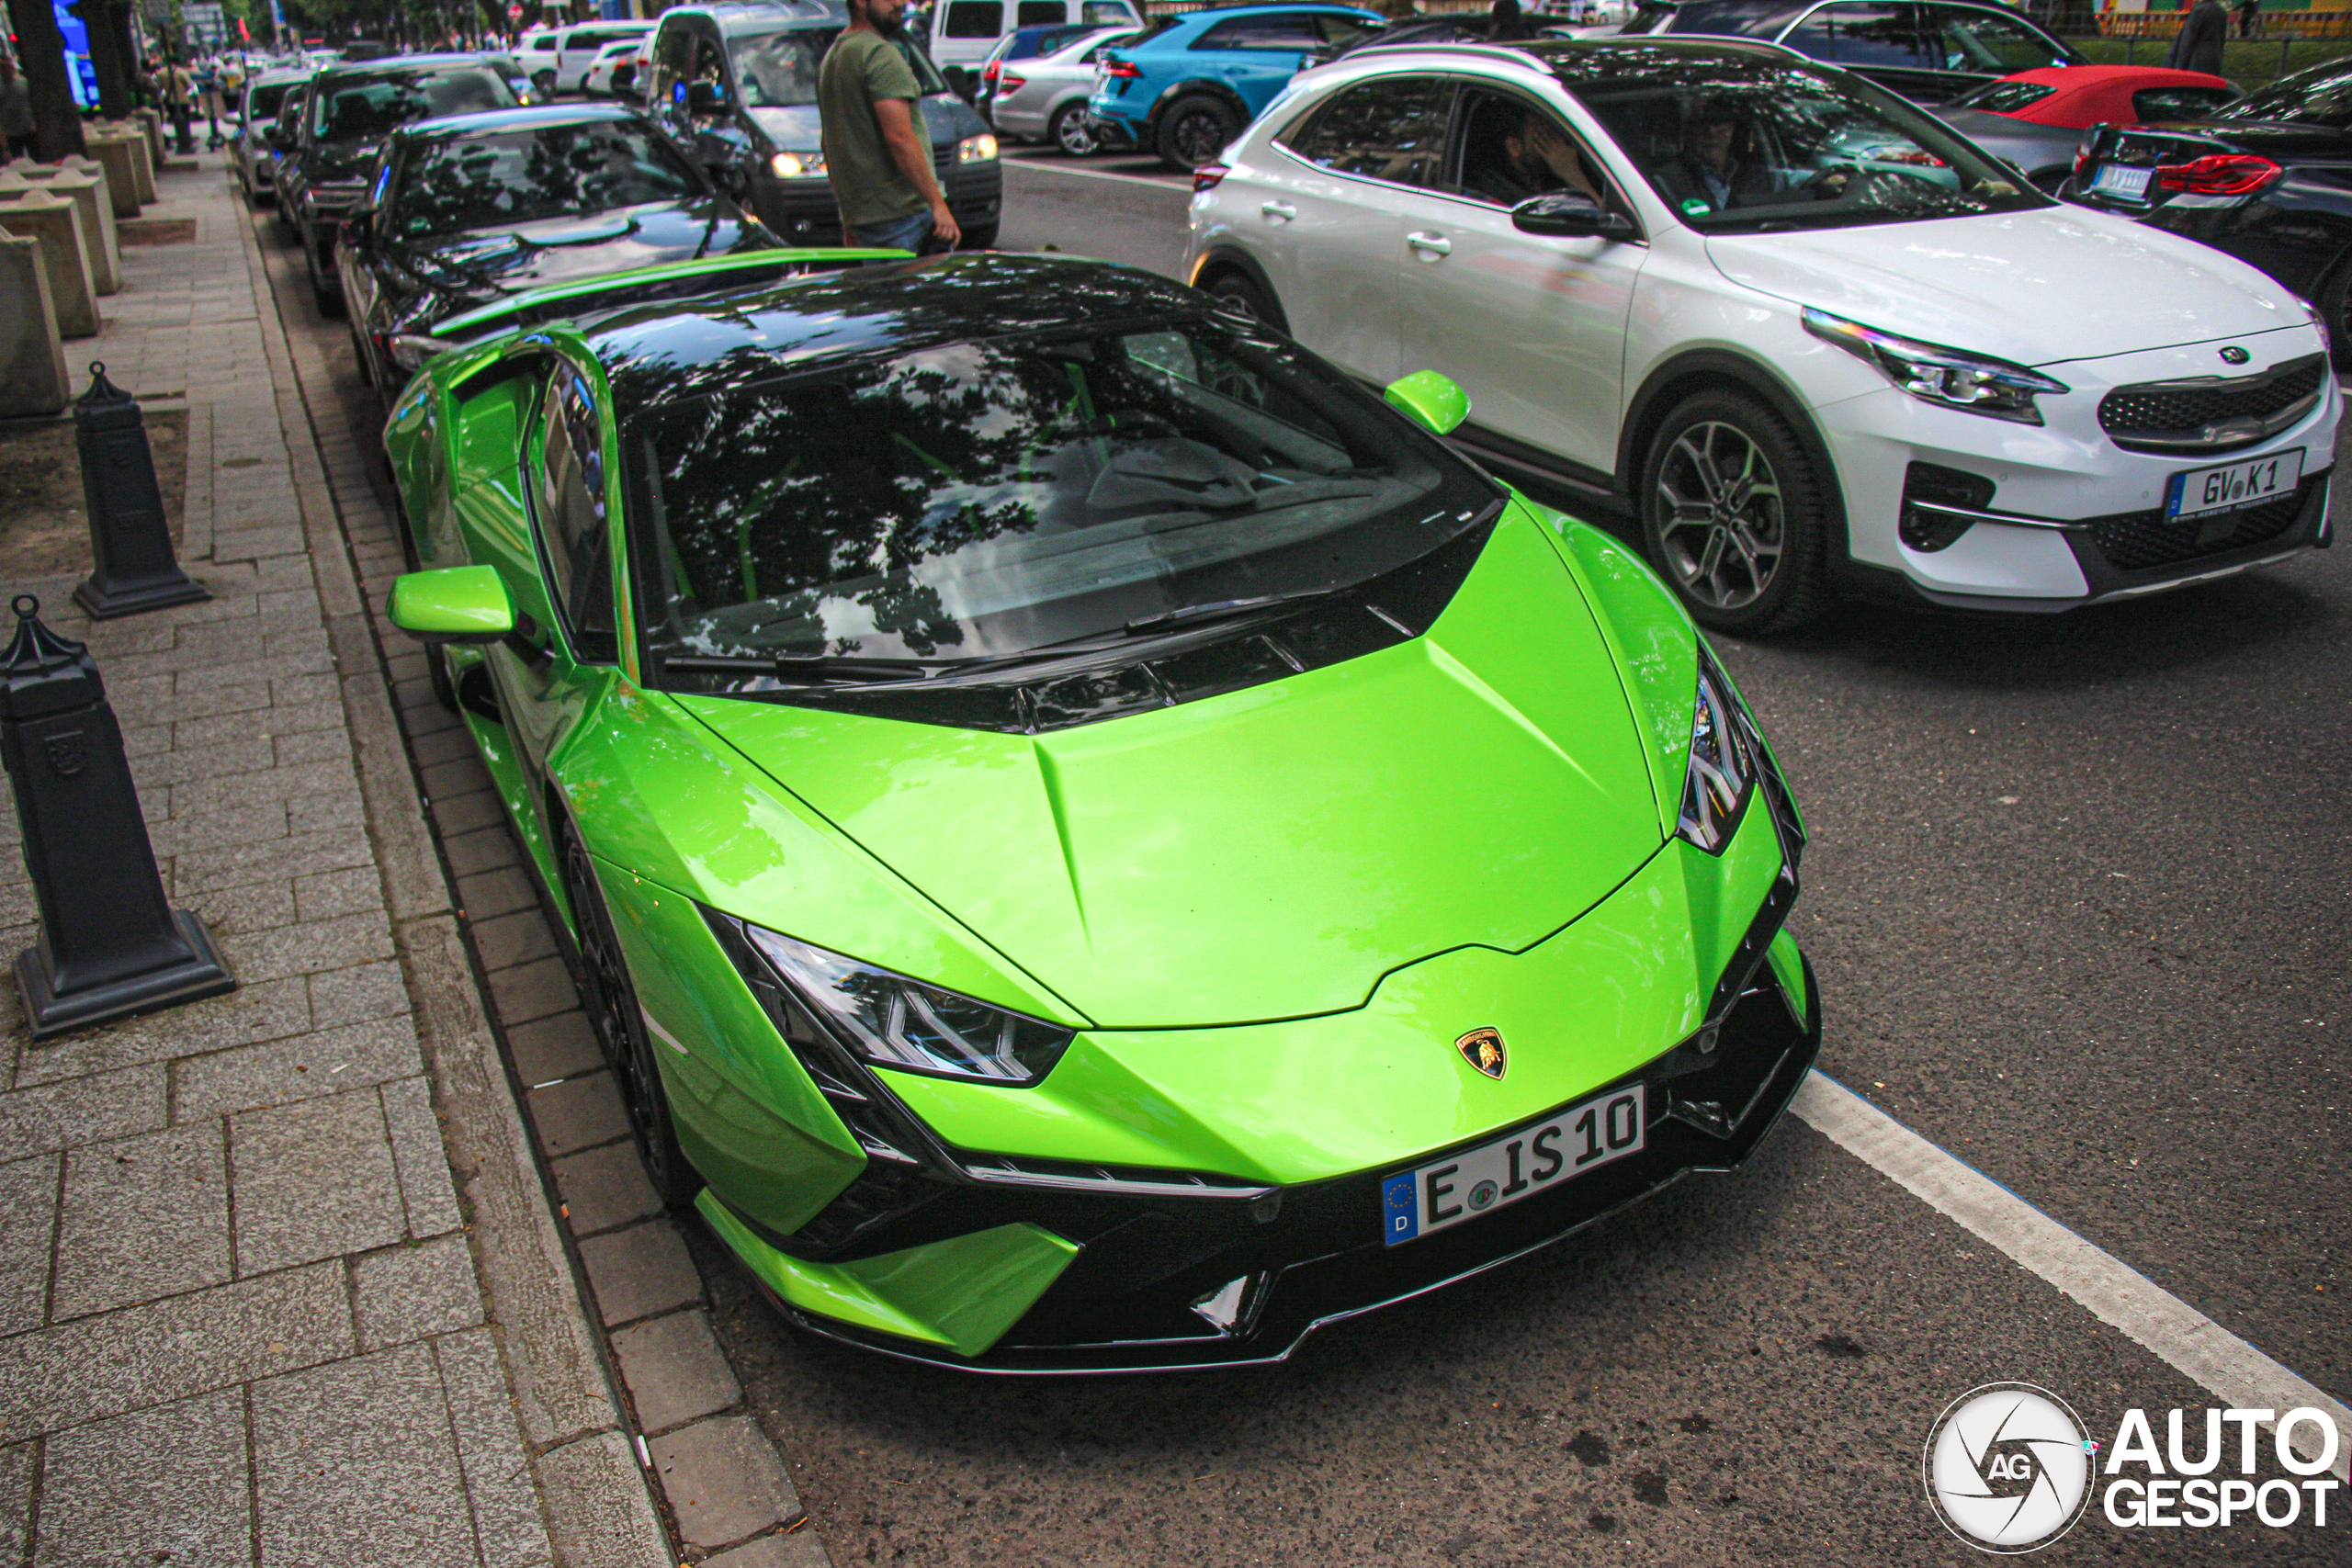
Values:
[(1518, 1164), (2201, 492), (2115, 180)]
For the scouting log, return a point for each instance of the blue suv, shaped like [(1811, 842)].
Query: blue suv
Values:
[(1187, 87)]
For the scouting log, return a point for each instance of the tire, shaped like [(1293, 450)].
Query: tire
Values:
[(610, 999), (1072, 133), (979, 237), (1240, 291), (2335, 302), (327, 297), (543, 83), (1735, 515), (1194, 130)]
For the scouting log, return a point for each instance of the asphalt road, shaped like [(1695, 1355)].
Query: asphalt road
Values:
[(2078, 900), (2075, 898)]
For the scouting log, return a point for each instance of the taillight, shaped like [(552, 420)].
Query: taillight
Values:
[(1114, 66), (1206, 176), (988, 72), (2219, 173), (1010, 84), (2082, 155)]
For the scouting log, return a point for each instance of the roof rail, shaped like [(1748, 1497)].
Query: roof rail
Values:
[(648, 283)]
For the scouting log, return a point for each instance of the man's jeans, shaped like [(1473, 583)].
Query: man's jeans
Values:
[(905, 234)]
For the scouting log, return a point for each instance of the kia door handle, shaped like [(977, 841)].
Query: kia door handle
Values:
[(1429, 244), (1278, 209)]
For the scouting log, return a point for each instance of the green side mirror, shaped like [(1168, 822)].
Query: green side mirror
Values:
[(453, 604), (1430, 400)]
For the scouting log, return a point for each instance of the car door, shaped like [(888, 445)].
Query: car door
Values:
[(1247, 51), (1969, 45), (565, 652), (1533, 327), (1337, 201), (1884, 42)]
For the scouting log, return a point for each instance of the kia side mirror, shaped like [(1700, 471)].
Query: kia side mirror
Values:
[(1569, 215), (466, 604), (1435, 402)]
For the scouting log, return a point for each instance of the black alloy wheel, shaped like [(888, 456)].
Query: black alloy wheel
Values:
[(324, 294), (1239, 292), (1072, 131), (610, 1000), (1733, 514), (1194, 131)]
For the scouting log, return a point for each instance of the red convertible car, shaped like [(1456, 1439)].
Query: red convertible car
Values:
[(2034, 118)]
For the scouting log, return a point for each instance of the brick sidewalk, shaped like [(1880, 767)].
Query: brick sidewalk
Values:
[(246, 1315)]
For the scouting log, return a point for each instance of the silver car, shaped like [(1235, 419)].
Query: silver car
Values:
[(250, 158), (1043, 98)]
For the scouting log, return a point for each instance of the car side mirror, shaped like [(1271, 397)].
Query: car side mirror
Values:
[(1570, 215), (703, 98), (466, 604), (1435, 402)]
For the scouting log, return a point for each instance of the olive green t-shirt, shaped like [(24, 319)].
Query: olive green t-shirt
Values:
[(868, 185)]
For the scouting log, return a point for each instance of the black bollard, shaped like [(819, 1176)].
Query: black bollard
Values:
[(131, 539), (109, 945)]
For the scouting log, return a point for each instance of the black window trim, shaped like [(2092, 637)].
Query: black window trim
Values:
[(552, 366)]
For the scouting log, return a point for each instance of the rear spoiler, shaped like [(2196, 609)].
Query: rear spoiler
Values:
[(668, 280)]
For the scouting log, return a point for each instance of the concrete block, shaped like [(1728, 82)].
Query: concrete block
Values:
[(56, 223), (578, 1113), (32, 357), (597, 1508), (313, 1179), (411, 1292), (674, 1370), (28, 1221), (114, 154), (723, 1481), (89, 193), (640, 1272), (145, 159), (498, 1478), (150, 123), (166, 1486), (605, 1187), (795, 1548), (551, 1048), (142, 1219)]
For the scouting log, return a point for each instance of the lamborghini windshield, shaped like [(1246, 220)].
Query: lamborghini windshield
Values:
[(1762, 145), (980, 499)]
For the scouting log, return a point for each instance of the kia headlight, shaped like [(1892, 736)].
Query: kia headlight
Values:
[(1949, 378), (889, 1020), (797, 165), (975, 148), (411, 350), (1722, 772)]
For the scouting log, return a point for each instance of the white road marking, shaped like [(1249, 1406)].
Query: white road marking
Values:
[(2178, 1334), (1148, 182)]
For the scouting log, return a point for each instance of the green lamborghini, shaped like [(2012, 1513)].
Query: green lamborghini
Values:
[(1092, 841)]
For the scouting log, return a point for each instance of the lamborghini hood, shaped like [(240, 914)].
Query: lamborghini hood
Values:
[(1270, 852)]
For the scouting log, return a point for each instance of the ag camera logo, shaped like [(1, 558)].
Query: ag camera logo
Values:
[(2007, 1466)]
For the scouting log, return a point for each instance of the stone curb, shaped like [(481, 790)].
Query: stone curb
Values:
[(599, 1513), (729, 1499)]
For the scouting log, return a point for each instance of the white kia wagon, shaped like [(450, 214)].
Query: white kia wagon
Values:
[(1809, 335)]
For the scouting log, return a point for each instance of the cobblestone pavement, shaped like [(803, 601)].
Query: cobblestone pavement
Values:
[(247, 1314), (726, 1487)]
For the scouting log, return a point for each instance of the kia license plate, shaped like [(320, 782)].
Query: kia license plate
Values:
[(2115, 180), (1518, 1164), (2202, 492)]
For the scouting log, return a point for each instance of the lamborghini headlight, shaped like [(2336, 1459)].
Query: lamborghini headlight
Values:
[(892, 1022), (1949, 378), (1722, 768)]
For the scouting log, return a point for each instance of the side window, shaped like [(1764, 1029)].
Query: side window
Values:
[(1288, 33), (1511, 150), (1040, 14), (1343, 30), (976, 19), (1094, 56), (1106, 13), (710, 65), (1864, 35), (673, 53), (2154, 104), (1978, 40), (574, 538), (1390, 129)]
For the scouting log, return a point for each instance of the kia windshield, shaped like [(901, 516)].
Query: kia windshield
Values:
[(1749, 146), (525, 177), (368, 109), (986, 499)]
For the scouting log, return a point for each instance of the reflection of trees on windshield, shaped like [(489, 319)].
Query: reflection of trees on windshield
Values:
[(563, 171)]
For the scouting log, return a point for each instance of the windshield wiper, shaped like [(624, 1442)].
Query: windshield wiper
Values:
[(815, 667), (1222, 609)]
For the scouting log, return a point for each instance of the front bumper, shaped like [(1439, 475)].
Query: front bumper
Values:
[(2072, 518), (802, 212)]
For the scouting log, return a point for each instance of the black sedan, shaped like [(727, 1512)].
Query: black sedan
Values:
[(2268, 179), (348, 113), (471, 208)]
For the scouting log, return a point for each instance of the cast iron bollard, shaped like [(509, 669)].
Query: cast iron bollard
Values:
[(131, 539), (109, 945)]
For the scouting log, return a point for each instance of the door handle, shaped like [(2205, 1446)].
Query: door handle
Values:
[(1430, 245), (1278, 209)]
